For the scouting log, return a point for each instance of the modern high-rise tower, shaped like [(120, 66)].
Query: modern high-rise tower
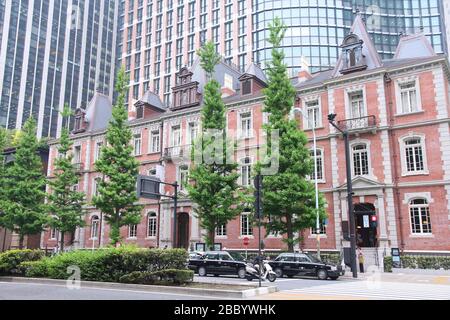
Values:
[(54, 52), (158, 37)]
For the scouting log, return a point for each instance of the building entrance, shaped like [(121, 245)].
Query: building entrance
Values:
[(366, 229)]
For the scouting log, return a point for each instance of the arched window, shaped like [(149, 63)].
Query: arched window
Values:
[(95, 221), (152, 225), (419, 212), (360, 160)]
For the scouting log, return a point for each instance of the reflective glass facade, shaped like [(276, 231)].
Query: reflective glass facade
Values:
[(54, 52), (316, 28)]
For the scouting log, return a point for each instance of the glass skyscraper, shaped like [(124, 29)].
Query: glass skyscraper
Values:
[(54, 52), (316, 28)]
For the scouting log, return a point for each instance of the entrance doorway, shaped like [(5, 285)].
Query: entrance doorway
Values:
[(183, 230), (366, 231)]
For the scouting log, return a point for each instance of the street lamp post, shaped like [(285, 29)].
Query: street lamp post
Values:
[(312, 125), (331, 119)]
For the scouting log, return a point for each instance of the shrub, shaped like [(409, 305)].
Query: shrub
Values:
[(419, 262), (169, 276), (35, 269), (109, 265), (387, 264), (11, 260)]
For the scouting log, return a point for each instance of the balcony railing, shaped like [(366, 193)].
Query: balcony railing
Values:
[(177, 152), (358, 124)]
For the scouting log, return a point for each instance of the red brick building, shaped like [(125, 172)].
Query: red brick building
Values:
[(397, 111)]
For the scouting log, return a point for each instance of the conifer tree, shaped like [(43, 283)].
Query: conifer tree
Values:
[(288, 196), (64, 203), (22, 204), (214, 189), (117, 196)]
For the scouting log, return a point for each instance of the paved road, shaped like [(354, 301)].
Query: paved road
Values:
[(384, 287), (27, 291)]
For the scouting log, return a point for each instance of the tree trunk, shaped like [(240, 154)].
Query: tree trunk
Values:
[(62, 241), (290, 233), (211, 238), (21, 238)]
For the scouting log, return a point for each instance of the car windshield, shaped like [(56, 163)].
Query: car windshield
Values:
[(313, 258)]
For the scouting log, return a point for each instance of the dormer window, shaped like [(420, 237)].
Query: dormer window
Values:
[(139, 112), (247, 86), (354, 60), (79, 122)]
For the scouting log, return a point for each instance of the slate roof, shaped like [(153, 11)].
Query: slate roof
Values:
[(153, 100), (98, 112)]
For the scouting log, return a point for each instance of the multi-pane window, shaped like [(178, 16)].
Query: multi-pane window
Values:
[(246, 224), (319, 164), (242, 62), (408, 97), (53, 233), (151, 225), (137, 144), (155, 141), (176, 136), (221, 231), (96, 186), (183, 176), (246, 171), (360, 160), (192, 132), (414, 155), (419, 211), (98, 150), (245, 124), (242, 25), (95, 221), (357, 108), (322, 229), (242, 43), (132, 231), (313, 115)]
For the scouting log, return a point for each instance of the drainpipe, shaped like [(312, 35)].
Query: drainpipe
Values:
[(395, 156)]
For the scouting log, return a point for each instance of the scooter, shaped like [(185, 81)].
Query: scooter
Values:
[(252, 272)]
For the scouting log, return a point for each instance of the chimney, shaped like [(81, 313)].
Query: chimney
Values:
[(304, 73)]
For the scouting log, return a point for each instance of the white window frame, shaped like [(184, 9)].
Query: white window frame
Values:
[(249, 225), (348, 107), (180, 172), (132, 228), (322, 167), (402, 141), (428, 213), (137, 152), (323, 230), (191, 125), (155, 148), (153, 217), (241, 166), (99, 144), (245, 134), (221, 232), (95, 183), (398, 95), (77, 155), (306, 120), (94, 235), (173, 129), (53, 234), (369, 162)]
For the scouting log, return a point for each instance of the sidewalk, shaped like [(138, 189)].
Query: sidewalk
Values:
[(407, 277)]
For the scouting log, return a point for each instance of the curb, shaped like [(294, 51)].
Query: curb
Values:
[(234, 294)]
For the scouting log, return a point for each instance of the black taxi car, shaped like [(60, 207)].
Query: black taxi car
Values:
[(304, 264), (217, 263)]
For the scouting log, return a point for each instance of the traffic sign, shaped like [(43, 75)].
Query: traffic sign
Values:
[(246, 241)]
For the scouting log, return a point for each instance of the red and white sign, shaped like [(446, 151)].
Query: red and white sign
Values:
[(246, 241)]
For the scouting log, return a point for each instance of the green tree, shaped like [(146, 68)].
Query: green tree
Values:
[(24, 187), (3, 143), (65, 204), (214, 189), (117, 191), (288, 196)]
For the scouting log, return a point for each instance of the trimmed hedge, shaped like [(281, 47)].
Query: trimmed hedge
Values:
[(419, 262), (170, 276), (108, 265), (10, 261)]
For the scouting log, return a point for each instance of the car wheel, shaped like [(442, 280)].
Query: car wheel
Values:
[(202, 272), (334, 278), (279, 272), (242, 273), (322, 274)]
